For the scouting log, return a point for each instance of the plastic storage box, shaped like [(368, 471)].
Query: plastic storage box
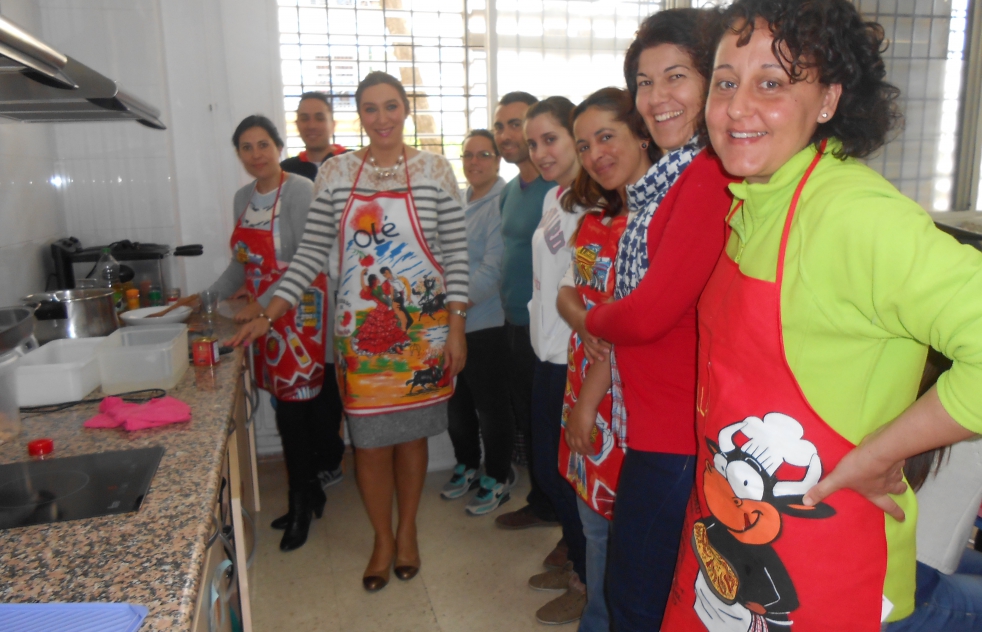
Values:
[(60, 371), (136, 358)]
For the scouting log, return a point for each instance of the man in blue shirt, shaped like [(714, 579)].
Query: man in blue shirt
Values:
[(521, 210)]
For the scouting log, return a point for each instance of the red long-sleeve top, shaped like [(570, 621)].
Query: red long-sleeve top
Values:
[(653, 329)]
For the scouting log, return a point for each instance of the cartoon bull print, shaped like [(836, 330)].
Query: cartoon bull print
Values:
[(742, 585)]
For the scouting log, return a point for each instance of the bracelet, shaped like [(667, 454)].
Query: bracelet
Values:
[(268, 319), (458, 312)]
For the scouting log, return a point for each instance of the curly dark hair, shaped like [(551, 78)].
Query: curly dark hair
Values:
[(831, 37), (585, 191)]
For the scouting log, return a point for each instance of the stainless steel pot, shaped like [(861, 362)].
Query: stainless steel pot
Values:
[(16, 327), (73, 314)]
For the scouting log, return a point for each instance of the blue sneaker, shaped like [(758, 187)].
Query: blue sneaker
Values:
[(462, 481), (491, 495)]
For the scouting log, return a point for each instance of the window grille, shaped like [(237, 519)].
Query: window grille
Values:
[(435, 47), (926, 45)]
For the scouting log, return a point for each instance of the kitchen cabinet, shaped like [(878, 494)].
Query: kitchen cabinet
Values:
[(158, 557)]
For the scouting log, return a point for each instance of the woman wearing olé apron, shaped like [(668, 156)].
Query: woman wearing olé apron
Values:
[(813, 332), (388, 211), (270, 214)]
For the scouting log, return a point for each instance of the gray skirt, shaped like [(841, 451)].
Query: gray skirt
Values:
[(378, 431)]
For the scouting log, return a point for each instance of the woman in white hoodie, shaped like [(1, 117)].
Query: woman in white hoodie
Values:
[(553, 151)]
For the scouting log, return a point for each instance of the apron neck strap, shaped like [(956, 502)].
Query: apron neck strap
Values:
[(279, 189), (793, 208), (405, 164)]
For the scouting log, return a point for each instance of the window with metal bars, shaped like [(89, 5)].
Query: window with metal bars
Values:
[(439, 50), (436, 48)]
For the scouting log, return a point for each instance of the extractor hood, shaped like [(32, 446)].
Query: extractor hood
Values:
[(40, 85)]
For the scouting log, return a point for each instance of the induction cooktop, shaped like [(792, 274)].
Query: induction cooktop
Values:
[(75, 487)]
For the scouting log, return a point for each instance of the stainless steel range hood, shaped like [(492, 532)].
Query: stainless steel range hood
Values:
[(39, 85)]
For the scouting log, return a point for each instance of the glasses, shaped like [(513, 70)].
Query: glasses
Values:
[(483, 155)]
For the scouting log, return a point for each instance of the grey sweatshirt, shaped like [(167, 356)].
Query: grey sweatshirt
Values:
[(295, 199)]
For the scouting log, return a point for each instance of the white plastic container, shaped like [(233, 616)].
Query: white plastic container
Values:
[(60, 371), (137, 358)]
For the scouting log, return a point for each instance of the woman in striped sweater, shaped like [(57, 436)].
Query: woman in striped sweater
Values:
[(388, 225)]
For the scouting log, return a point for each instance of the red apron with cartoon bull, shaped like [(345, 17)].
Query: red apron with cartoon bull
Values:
[(391, 319), (593, 477), (753, 557), (289, 360)]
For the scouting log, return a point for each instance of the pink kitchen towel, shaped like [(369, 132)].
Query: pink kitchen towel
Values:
[(115, 413)]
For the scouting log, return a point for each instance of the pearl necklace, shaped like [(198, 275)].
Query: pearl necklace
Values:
[(385, 172)]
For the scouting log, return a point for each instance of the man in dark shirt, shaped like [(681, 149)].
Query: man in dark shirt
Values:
[(315, 122), (521, 210)]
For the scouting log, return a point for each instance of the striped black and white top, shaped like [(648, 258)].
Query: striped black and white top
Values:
[(438, 203)]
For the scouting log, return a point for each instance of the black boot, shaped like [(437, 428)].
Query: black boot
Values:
[(304, 505), (318, 502)]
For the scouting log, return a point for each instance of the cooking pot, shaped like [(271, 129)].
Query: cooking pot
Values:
[(16, 327), (73, 314)]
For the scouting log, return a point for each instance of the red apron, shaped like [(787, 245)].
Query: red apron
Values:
[(593, 477), (289, 360), (753, 558), (391, 320)]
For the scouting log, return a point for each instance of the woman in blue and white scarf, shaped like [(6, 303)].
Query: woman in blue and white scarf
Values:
[(665, 257)]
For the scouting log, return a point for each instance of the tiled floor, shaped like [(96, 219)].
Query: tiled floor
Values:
[(473, 577)]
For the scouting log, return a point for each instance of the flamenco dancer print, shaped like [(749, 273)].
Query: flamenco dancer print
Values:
[(382, 330), (391, 321)]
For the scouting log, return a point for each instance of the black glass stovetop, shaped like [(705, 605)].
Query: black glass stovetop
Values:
[(75, 487)]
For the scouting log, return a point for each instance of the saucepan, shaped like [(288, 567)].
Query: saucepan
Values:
[(73, 314)]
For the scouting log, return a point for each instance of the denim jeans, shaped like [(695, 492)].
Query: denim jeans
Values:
[(479, 407), (652, 495), (548, 388), (946, 603), (595, 528)]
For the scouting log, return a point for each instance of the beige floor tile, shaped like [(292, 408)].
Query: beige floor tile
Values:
[(473, 577)]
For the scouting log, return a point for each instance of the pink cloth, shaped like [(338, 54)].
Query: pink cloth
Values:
[(115, 413)]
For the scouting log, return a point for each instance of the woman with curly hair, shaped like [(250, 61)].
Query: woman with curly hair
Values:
[(813, 332)]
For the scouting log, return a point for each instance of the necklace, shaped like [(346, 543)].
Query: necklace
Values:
[(383, 173)]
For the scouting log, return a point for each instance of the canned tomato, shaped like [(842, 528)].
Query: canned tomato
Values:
[(205, 351)]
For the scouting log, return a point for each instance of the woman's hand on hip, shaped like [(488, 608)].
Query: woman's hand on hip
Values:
[(861, 472), (247, 313)]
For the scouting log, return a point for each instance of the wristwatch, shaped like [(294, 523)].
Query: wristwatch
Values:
[(458, 312)]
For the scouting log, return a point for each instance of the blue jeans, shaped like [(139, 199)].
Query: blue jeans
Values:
[(548, 387), (595, 528), (652, 495), (946, 603)]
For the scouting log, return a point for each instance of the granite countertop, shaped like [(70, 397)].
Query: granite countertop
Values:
[(152, 557)]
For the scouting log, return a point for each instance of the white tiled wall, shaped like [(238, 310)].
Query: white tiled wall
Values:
[(30, 207)]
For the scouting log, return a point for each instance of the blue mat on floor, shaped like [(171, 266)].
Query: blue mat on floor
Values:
[(71, 617)]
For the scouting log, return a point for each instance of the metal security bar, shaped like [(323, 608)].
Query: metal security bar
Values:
[(434, 47), (565, 48)]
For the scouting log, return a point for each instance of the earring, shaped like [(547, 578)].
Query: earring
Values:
[(825, 114), (644, 145)]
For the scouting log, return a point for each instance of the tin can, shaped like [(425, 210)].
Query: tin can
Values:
[(155, 296), (173, 295), (205, 351)]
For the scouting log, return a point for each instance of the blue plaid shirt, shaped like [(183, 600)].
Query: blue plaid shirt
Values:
[(643, 198)]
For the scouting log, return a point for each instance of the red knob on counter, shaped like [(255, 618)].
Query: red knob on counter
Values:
[(40, 447)]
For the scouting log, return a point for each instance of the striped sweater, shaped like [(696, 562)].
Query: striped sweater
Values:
[(438, 204)]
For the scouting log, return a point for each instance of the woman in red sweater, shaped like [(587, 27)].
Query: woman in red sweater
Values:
[(665, 257)]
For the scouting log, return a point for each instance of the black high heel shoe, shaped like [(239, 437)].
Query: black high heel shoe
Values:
[(304, 505)]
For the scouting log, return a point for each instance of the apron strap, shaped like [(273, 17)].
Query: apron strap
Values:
[(405, 163), (793, 208)]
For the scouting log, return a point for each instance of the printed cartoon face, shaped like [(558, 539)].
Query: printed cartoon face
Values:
[(736, 497)]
